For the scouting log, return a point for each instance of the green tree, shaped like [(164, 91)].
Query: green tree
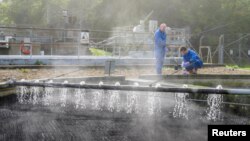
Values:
[(200, 15)]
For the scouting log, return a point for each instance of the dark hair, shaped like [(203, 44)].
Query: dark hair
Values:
[(183, 49)]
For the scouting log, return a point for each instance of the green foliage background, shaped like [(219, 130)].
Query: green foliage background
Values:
[(105, 14)]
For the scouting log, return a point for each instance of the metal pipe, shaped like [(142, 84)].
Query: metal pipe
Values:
[(228, 103), (136, 88)]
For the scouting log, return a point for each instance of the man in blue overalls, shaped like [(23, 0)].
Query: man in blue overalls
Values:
[(191, 60), (160, 47)]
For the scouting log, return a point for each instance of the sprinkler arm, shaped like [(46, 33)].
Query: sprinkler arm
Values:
[(135, 88)]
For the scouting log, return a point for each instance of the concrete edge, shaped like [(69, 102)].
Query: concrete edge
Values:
[(199, 76), (92, 66)]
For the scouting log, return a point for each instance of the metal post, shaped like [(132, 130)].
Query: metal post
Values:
[(47, 11), (240, 46), (221, 50), (201, 39), (20, 49), (51, 45), (31, 48), (200, 51), (119, 42), (119, 51), (65, 15), (79, 37), (110, 67), (79, 44)]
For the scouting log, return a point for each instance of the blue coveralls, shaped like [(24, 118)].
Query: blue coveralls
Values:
[(160, 49), (193, 59)]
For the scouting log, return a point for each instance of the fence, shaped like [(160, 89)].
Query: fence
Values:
[(226, 48), (67, 42), (46, 41)]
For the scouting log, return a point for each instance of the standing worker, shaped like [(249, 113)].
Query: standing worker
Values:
[(160, 47)]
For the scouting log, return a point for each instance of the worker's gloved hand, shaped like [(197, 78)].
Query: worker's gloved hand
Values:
[(185, 64), (185, 72)]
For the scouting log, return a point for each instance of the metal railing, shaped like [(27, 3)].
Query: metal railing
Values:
[(60, 41)]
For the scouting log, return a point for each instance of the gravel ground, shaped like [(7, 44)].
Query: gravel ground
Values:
[(6, 74)]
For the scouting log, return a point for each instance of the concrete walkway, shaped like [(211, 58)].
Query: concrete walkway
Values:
[(81, 60)]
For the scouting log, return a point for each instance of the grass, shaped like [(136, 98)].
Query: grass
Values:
[(24, 70), (38, 62), (99, 52), (245, 67)]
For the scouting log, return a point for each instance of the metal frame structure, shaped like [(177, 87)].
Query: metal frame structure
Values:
[(209, 53), (221, 50)]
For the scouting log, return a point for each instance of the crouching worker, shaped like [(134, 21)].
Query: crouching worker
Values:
[(191, 61)]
